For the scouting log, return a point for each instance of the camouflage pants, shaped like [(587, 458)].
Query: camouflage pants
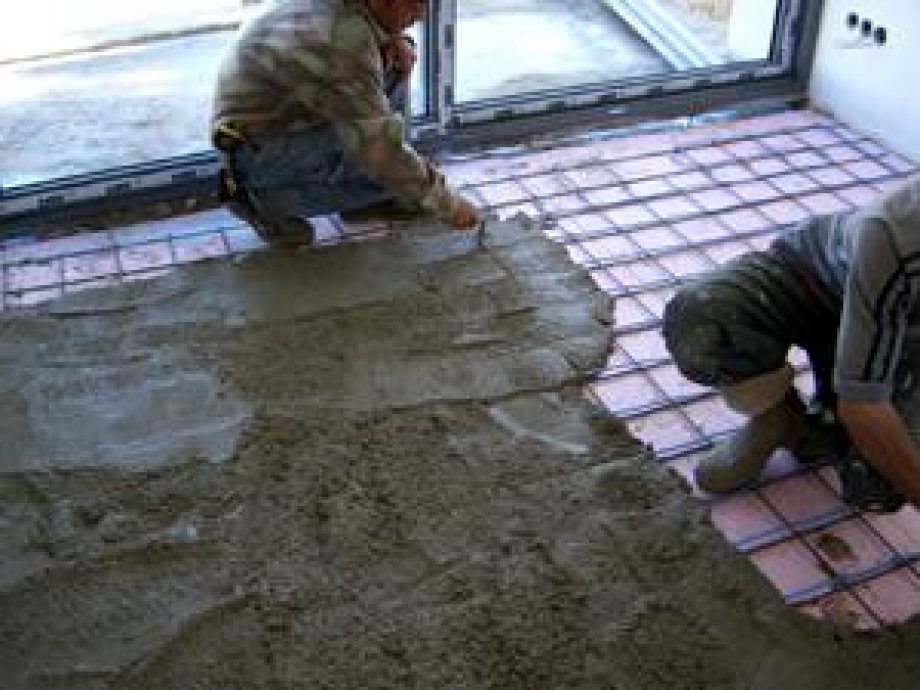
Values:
[(741, 320), (292, 177)]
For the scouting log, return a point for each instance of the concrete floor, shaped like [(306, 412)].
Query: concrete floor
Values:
[(86, 113), (418, 500), (511, 47)]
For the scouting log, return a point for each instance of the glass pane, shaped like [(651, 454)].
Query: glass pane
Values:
[(417, 90), (89, 85), (513, 47)]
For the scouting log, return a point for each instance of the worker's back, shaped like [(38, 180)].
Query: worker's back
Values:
[(282, 59)]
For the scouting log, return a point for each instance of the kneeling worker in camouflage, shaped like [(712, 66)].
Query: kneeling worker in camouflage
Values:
[(308, 115), (846, 289)]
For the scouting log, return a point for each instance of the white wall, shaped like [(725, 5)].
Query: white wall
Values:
[(875, 90)]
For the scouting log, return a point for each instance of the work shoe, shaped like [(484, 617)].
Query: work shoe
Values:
[(292, 234), (742, 458), (863, 487), (388, 210)]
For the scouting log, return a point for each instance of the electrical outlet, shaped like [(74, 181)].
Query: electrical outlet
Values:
[(862, 32)]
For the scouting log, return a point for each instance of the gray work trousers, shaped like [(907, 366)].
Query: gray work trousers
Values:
[(740, 321)]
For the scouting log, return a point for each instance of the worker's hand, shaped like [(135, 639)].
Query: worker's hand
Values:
[(399, 55), (464, 215)]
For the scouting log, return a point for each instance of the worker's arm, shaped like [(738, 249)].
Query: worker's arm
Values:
[(884, 441)]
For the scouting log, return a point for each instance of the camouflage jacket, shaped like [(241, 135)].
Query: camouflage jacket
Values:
[(310, 62)]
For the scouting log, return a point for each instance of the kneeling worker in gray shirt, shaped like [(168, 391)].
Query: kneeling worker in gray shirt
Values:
[(845, 289)]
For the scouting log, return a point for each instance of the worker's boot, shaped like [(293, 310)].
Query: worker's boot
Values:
[(776, 419), (291, 234), (394, 210)]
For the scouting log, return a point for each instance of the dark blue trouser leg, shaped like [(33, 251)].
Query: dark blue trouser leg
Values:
[(293, 177)]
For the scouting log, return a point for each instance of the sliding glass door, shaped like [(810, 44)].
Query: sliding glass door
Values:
[(95, 88), (95, 84), (510, 47), (512, 51)]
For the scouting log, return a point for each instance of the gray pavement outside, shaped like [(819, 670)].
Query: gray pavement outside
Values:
[(147, 100)]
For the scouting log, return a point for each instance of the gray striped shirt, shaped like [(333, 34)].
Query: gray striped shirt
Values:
[(870, 260)]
